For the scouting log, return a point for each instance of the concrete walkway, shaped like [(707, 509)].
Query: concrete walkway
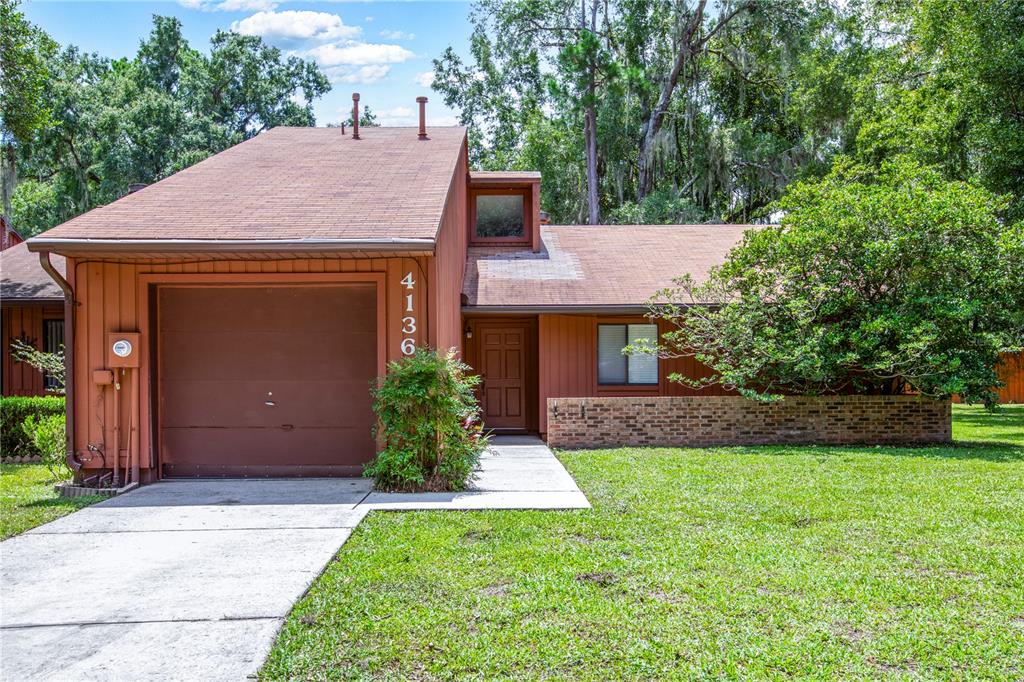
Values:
[(191, 580)]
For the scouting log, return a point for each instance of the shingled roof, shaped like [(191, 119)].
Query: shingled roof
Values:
[(290, 184), (594, 266), (23, 280)]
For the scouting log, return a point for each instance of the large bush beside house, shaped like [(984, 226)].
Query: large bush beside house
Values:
[(877, 280), (14, 410), (429, 424)]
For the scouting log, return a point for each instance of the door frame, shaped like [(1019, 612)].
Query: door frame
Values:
[(149, 312), (471, 354)]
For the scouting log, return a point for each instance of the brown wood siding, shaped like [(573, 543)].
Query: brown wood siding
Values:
[(24, 322), (449, 263), (1011, 372), (568, 363), (114, 296)]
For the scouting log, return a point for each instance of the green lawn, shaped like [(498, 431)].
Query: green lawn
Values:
[(729, 562), (27, 499)]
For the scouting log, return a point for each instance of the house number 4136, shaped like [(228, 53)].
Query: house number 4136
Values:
[(409, 321)]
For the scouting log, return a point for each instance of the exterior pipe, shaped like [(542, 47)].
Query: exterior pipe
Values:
[(69, 359), (355, 115), (133, 428), (422, 101)]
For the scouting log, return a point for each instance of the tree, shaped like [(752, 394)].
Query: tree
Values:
[(23, 108), (695, 100), (114, 123), (876, 280)]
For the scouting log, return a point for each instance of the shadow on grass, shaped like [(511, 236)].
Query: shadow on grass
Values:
[(65, 502), (990, 451)]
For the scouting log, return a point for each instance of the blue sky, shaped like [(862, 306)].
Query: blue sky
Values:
[(380, 49)]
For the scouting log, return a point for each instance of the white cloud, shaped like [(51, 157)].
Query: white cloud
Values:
[(295, 25), (229, 5), (369, 74), (397, 116), (358, 54), (388, 34), (442, 120), (425, 79)]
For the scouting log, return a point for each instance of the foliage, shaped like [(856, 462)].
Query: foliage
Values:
[(27, 499), (46, 433), (875, 281), (48, 363), (699, 564), (727, 104), (665, 206), (112, 123), (23, 107), (710, 100), (14, 410), (428, 426)]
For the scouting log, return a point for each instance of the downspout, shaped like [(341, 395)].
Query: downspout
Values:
[(69, 358)]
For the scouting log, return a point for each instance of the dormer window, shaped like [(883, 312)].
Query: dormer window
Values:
[(500, 215), (504, 209)]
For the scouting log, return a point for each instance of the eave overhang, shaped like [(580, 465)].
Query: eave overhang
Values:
[(229, 248)]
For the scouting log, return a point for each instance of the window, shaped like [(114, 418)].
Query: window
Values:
[(615, 368), (500, 216), (53, 342)]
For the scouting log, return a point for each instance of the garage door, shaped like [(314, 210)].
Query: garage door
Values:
[(266, 381)]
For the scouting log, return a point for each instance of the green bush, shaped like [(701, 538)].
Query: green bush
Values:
[(14, 442), (46, 432), (428, 424)]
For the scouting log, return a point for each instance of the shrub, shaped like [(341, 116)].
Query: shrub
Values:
[(14, 442), (877, 280), (46, 433), (428, 424)]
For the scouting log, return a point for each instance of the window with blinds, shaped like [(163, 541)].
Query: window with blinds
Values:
[(615, 368)]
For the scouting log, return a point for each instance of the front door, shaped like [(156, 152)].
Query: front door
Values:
[(504, 360)]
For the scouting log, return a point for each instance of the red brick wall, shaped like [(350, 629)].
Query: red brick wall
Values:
[(731, 420)]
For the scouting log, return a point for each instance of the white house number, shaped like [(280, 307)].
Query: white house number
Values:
[(409, 321)]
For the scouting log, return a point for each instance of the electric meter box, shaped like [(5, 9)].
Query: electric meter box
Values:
[(123, 349)]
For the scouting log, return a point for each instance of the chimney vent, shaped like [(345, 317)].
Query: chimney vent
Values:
[(355, 115), (423, 117)]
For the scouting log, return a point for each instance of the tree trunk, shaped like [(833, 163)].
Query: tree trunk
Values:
[(590, 125), (590, 137), (8, 179)]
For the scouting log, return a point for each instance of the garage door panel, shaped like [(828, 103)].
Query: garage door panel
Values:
[(226, 352), (233, 452), (269, 309), (276, 356), (244, 403)]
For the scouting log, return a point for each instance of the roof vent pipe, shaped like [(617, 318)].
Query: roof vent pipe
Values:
[(423, 117), (355, 115)]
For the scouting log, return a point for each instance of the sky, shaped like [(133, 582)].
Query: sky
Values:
[(382, 50)]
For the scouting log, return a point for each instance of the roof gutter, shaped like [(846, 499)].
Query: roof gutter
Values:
[(541, 309), (229, 245), (69, 359)]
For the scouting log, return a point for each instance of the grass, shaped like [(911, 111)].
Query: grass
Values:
[(27, 499), (696, 563)]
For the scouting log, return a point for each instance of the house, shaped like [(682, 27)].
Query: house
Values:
[(230, 319), (32, 310), (8, 236)]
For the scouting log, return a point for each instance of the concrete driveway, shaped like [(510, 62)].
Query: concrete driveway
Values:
[(181, 580)]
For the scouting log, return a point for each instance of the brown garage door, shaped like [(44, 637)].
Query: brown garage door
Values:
[(266, 381)]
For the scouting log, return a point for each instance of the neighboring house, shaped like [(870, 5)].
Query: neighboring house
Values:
[(231, 318), (31, 309), (8, 237)]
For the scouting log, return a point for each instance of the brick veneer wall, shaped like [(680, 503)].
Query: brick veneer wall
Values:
[(731, 420)]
